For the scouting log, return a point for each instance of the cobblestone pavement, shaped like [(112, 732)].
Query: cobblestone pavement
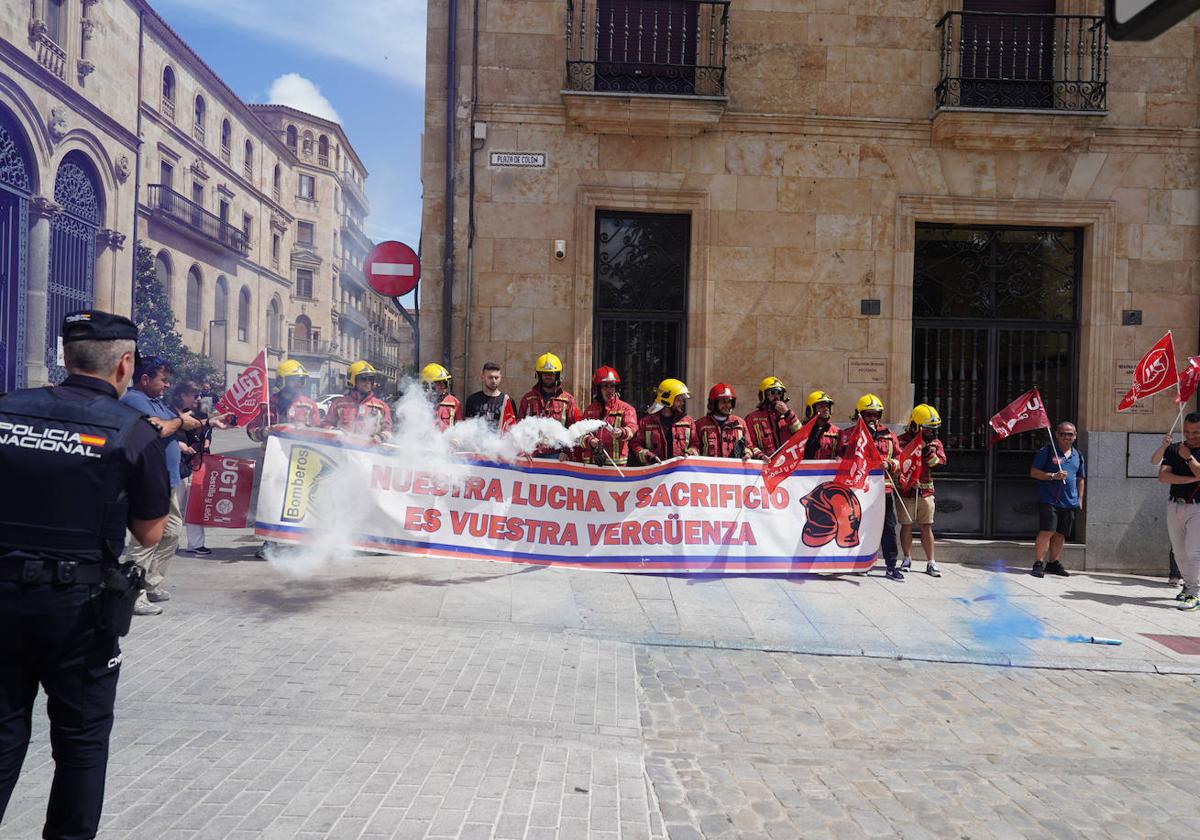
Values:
[(415, 698)]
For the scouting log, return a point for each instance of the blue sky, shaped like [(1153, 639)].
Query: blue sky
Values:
[(367, 58)]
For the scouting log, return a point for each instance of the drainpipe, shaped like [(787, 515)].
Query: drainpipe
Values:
[(448, 234), (137, 168), (471, 191)]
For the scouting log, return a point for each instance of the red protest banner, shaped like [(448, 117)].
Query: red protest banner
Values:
[(1022, 414), (248, 394), (219, 495), (860, 458), (1189, 378), (1155, 372), (910, 464), (784, 462)]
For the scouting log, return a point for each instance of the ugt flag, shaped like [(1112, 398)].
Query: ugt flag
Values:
[(1189, 378), (910, 464), (1022, 414), (220, 491), (784, 462), (1155, 372), (248, 394), (860, 458)]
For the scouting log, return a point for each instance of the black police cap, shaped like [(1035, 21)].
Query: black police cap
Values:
[(94, 325)]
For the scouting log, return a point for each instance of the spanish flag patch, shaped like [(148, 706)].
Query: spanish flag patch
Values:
[(92, 440)]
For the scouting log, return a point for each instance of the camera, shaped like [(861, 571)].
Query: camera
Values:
[(560, 249)]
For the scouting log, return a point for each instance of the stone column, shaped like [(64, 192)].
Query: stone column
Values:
[(108, 242), (37, 300)]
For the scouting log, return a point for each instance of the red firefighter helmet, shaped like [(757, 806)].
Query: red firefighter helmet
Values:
[(718, 392), (604, 375), (832, 513)]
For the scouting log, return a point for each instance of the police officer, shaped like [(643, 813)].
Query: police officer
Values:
[(63, 598)]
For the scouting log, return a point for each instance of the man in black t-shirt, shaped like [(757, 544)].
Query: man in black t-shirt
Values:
[(1181, 470), (491, 403)]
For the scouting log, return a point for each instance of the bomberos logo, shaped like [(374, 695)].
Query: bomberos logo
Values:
[(308, 470)]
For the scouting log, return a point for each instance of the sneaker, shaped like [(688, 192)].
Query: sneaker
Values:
[(203, 551), (1190, 603), (1056, 568), (143, 606), (1039, 569), (906, 564), (932, 570), (261, 554), (157, 594), (893, 574), (1181, 594)]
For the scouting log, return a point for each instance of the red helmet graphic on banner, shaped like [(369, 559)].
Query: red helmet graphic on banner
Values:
[(833, 513)]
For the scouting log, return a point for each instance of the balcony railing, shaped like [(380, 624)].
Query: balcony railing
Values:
[(351, 312), (50, 55), (666, 47), (1026, 61), (198, 132), (311, 346), (225, 155), (248, 170), (177, 208), (168, 108), (323, 160), (353, 188)]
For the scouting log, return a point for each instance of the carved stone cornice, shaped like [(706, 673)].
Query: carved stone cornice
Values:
[(41, 207), (108, 238), (199, 169), (88, 27), (37, 28), (85, 68)]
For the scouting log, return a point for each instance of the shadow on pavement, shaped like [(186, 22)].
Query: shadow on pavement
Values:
[(1159, 601)]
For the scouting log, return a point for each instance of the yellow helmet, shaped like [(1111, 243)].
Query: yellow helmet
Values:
[(548, 363), (288, 369), (668, 391), (868, 402), (770, 384), (813, 400), (433, 372), (361, 368), (925, 416)]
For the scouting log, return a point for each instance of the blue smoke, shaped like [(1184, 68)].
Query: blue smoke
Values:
[(1006, 624)]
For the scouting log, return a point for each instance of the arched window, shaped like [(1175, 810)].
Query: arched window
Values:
[(273, 319), (248, 160), (198, 119), (16, 165), (243, 319), (302, 337), (191, 311), (226, 139), (72, 247), (219, 300), (277, 182), (323, 150), (291, 137), (308, 143), (168, 92), (162, 272), (56, 21)]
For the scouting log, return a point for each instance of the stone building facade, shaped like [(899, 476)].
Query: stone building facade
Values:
[(116, 131), (926, 200)]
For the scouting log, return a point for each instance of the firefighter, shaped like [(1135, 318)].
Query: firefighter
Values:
[(359, 411), (436, 380), (870, 408), (919, 508), (288, 405), (666, 431), (823, 441), (608, 445), (720, 433), (773, 422), (548, 398)]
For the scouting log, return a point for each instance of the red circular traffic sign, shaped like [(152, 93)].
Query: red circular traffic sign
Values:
[(392, 268)]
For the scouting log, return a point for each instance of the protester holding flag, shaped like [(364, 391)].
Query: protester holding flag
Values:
[(721, 433), (1181, 470), (358, 411), (608, 446), (869, 409), (921, 452), (773, 422), (288, 405), (666, 431), (822, 442), (1060, 471)]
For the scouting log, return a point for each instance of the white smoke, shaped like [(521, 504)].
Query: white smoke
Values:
[(421, 446)]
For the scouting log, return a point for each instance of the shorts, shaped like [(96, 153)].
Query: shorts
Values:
[(921, 509), (1058, 519)]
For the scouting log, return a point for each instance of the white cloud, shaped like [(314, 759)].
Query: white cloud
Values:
[(294, 90), (386, 37)]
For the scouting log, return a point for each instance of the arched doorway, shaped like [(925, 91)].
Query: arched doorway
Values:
[(302, 336), (15, 183), (72, 249)]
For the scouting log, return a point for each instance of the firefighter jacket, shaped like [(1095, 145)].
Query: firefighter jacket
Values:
[(933, 455), (367, 417), (559, 406), (666, 440), (623, 418), (300, 411), (719, 437), (887, 445), (770, 430), (823, 445), (447, 411)]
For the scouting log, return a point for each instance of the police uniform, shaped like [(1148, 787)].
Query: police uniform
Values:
[(77, 466)]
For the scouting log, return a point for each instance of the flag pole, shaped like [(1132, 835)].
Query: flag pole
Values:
[(1178, 418), (1054, 449), (267, 388)]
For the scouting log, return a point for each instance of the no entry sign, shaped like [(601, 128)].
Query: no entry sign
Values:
[(392, 268)]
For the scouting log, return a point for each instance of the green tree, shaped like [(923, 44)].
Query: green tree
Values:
[(157, 335)]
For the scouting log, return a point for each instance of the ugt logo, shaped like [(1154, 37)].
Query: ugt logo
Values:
[(832, 513), (1153, 370)]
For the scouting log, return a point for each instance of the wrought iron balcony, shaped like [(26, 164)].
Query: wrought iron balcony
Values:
[(665, 47), (309, 346), (353, 188), (1023, 61), (176, 208)]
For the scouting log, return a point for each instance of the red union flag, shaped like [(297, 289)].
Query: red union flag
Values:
[(1155, 372), (1022, 414), (248, 393), (219, 495), (860, 458), (910, 464), (1189, 378), (784, 462)]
